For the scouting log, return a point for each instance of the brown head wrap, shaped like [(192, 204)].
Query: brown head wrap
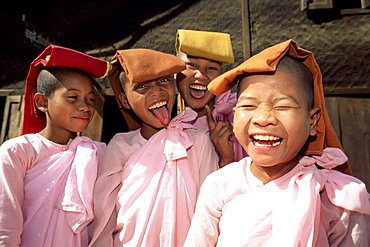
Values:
[(140, 65), (267, 61)]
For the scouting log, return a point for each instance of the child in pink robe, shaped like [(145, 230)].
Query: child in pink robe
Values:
[(204, 53), (149, 180), (286, 193), (47, 175)]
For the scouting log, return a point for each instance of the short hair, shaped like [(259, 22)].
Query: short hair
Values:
[(50, 79), (122, 79), (304, 76)]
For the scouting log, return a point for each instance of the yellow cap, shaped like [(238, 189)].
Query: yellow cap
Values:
[(211, 45)]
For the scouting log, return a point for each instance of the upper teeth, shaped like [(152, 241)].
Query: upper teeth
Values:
[(198, 87), (266, 138), (157, 105)]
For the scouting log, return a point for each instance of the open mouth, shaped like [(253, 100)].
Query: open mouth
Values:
[(198, 90), (160, 110), (266, 140)]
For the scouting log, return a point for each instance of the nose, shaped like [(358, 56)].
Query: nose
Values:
[(264, 116), (155, 89), (201, 74), (83, 106)]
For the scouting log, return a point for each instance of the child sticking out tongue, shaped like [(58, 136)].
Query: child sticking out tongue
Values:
[(161, 112)]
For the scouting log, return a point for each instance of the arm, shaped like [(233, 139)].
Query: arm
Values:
[(12, 172), (204, 225), (106, 190)]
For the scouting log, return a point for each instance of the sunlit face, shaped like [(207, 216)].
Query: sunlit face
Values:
[(192, 82), (272, 120), (72, 106), (151, 101)]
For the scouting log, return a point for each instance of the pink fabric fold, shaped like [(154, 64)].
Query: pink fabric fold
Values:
[(330, 158), (303, 202), (78, 193), (158, 194), (223, 107), (63, 181)]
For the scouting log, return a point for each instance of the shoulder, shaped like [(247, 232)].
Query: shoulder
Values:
[(126, 142), (231, 176), (21, 142)]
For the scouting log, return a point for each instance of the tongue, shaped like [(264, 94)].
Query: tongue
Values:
[(197, 93), (162, 114)]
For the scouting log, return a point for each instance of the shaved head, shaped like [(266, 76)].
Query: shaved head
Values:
[(304, 77)]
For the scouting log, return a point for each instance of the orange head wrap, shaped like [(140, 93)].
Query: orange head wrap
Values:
[(140, 65), (267, 61), (55, 56)]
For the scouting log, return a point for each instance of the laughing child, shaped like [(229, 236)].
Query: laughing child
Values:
[(285, 193), (47, 175), (204, 53), (149, 180)]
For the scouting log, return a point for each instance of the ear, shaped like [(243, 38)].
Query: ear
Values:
[(315, 115), (123, 99), (41, 102)]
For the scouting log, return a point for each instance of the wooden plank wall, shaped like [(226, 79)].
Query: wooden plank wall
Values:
[(350, 118), (12, 119)]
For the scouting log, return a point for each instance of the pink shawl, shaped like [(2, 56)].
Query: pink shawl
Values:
[(58, 196), (158, 194), (302, 204)]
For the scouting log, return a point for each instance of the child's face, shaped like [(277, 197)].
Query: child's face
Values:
[(151, 101), (272, 120), (192, 82), (72, 106)]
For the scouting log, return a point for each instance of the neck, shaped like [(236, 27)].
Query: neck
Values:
[(269, 173), (148, 131), (202, 111), (60, 138)]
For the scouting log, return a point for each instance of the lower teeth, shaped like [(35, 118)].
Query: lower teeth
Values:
[(267, 145)]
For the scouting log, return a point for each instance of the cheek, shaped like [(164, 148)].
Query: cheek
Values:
[(241, 123), (180, 77)]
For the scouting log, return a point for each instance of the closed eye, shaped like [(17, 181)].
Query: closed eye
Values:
[(285, 107), (248, 107)]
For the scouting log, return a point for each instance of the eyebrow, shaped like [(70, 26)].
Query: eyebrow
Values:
[(275, 100), (286, 97), (75, 89)]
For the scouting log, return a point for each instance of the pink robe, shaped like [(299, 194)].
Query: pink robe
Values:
[(154, 184), (223, 111), (305, 207), (46, 191)]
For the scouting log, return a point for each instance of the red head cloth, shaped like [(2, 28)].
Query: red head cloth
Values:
[(267, 61), (55, 56), (140, 65)]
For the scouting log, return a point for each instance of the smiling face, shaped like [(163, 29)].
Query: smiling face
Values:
[(272, 118), (151, 101), (69, 109), (192, 82)]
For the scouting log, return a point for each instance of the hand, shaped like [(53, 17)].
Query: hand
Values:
[(221, 135)]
